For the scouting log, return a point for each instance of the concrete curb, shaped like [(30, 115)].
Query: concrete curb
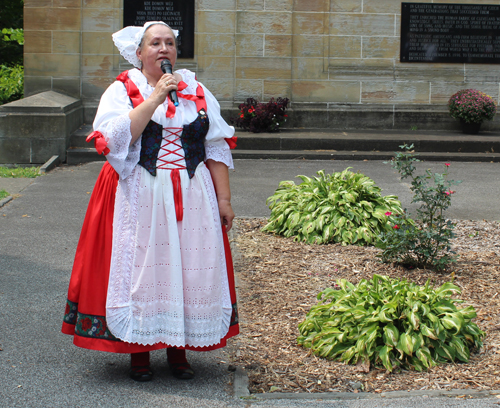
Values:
[(5, 201), (50, 164), (240, 388), (240, 383)]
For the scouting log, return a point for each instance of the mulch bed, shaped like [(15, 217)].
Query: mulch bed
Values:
[(279, 279)]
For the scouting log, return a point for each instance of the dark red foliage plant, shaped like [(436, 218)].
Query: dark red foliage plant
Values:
[(258, 117)]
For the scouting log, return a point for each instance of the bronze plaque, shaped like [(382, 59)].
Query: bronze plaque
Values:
[(434, 32), (178, 14)]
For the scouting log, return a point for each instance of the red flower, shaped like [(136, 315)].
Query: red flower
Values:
[(388, 213), (396, 226), (447, 164)]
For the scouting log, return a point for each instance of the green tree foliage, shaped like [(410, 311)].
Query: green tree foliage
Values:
[(11, 17), (11, 50)]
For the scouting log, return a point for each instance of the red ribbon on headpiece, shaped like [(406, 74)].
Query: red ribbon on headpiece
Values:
[(99, 142)]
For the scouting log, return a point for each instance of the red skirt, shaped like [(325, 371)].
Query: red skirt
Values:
[(85, 315)]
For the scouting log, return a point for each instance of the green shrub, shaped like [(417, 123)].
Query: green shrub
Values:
[(11, 43), (391, 323), (424, 242), (11, 83), (343, 207)]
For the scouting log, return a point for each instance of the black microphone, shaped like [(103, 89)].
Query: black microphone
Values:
[(166, 67)]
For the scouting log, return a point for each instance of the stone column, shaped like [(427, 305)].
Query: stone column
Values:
[(101, 61), (68, 47), (52, 30)]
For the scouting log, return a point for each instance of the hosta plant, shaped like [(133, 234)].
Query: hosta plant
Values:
[(342, 207), (391, 323)]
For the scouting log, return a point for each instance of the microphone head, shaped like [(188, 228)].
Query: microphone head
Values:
[(166, 66)]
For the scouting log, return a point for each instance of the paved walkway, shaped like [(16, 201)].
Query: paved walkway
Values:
[(39, 230), (476, 198)]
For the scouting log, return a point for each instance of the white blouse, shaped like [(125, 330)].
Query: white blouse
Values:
[(113, 122)]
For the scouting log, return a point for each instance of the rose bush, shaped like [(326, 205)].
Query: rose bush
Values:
[(426, 241)]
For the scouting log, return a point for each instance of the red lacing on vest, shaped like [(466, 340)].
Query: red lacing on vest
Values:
[(173, 147)]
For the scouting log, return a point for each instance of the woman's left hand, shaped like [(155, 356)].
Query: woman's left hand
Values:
[(220, 176), (226, 214)]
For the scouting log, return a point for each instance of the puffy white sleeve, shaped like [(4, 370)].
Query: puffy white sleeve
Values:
[(216, 147), (113, 122)]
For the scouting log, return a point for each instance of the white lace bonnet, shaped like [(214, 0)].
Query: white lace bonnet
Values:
[(127, 41)]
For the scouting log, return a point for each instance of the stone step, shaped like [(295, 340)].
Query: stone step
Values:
[(84, 155), (387, 141), (325, 144), (79, 136), (81, 155), (359, 155)]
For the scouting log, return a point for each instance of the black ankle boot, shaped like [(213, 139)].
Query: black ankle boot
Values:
[(141, 373)]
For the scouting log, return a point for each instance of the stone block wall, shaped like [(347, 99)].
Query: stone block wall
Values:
[(334, 55)]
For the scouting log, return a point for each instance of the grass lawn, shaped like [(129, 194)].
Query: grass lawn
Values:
[(19, 172)]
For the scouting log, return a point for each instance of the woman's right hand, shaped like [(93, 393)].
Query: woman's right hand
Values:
[(163, 87), (141, 115)]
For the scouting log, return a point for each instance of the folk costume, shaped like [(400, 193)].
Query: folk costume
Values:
[(153, 266)]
